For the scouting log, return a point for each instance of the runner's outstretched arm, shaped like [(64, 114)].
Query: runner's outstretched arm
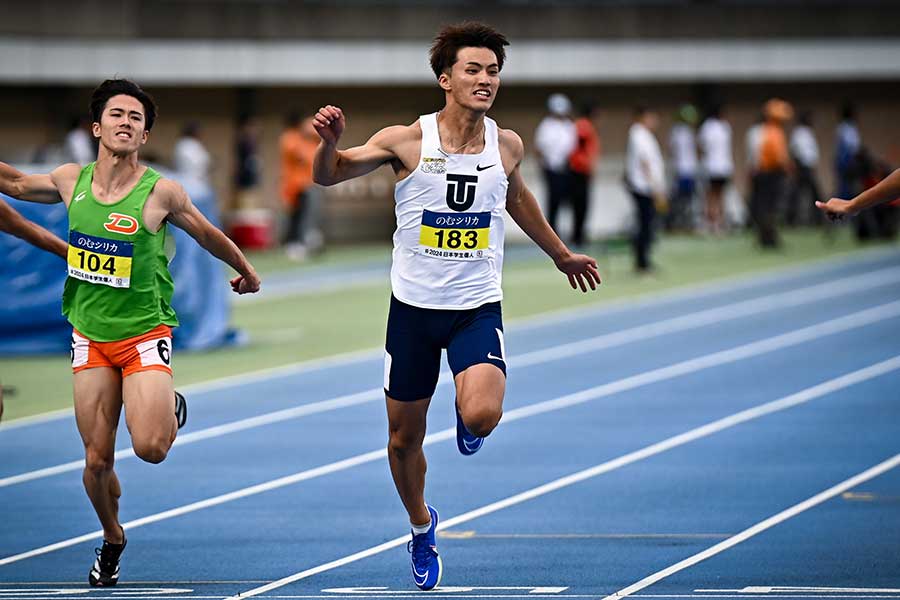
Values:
[(523, 207), (886, 190), (332, 165), (34, 188), (13, 223), (185, 215)]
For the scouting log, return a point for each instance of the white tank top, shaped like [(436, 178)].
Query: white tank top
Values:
[(448, 246)]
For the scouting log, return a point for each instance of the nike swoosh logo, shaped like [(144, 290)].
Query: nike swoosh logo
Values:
[(492, 357), (80, 196), (480, 168), (474, 445)]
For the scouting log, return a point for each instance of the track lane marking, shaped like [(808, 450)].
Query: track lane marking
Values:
[(859, 319), (722, 285), (744, 416), (746, 308), (788, 513)]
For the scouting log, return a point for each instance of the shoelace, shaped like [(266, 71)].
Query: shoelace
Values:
[(421, 549), (108, 557)]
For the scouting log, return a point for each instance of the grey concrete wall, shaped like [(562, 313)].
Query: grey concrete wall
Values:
[(365, 19)]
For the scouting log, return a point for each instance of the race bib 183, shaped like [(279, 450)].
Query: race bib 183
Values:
[(99, 260), (457, 236)]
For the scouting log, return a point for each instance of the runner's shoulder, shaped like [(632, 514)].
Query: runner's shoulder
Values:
[(64, 178), (511, 144), (169, 192), (68, 172), (398, 135)]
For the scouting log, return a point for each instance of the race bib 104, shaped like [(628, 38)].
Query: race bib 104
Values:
[(99, 260), (456, 236)]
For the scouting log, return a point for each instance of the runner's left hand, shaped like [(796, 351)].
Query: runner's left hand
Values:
[(580, 267)]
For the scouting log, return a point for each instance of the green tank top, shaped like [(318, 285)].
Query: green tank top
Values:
[(119, 284)]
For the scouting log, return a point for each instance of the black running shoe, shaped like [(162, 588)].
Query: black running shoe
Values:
[(180, 410), (105, 572)]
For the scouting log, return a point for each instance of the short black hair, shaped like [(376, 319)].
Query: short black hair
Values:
[(126, 87), (469, 34)]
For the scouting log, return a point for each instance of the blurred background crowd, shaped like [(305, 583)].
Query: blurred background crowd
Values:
[(694, 116)]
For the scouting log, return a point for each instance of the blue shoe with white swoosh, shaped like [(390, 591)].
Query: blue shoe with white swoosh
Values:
[(426, 564), (467, 443)]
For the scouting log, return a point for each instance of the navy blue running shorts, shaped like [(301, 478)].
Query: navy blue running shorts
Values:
[(415, 337)]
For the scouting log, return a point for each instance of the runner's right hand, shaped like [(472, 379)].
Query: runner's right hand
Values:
[(836, 209), (329, 123)]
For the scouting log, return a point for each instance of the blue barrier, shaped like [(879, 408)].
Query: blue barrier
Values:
[(31, 320)]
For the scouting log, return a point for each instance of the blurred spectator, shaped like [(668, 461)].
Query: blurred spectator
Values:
[(79, 145), (847, 146), (555, 140), (773, 165), (715, 145), (645, 180), (581, 162), (297, 147), (751, 144), (191, 158), (247, 163), (683, 153), (805, 189)]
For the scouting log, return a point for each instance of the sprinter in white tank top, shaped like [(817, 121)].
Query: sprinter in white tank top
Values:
[(456, 172)]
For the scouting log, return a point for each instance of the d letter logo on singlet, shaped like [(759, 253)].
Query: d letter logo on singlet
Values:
[(461, 191), (119, 223)]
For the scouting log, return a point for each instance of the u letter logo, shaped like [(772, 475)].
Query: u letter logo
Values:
[(461, 191)]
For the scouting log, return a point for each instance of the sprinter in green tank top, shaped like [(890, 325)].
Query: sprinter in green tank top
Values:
[(118, 293)]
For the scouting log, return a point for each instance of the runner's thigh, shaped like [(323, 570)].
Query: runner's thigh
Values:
[(98, 403)]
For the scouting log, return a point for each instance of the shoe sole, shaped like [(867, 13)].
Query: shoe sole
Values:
[(181, 412)]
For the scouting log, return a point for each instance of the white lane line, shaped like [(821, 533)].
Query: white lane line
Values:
[(760, 527), (814, 293), (550, 317), (779, 589), (438, 591), (212, 432), (805, 334), (744, 416)]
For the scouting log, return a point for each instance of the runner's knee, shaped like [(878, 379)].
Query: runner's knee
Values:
[(404, 441), (98, 462), (481, 420), (152, 449)]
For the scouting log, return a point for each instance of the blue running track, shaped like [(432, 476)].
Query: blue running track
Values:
[(733, 441)]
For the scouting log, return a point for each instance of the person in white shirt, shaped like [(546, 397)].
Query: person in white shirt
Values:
[(191, 157), (683, 152), (645, 179), (79, 147), (805, 189), (554, 140), (715, 145)]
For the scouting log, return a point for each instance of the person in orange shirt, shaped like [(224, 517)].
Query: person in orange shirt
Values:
[(297, 147), (773, 166), (581, 163)]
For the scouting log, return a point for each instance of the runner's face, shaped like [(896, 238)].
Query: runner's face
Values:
[(474, 79), (121, 127)]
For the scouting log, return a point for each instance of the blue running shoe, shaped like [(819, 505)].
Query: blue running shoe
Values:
[(467, 443), (426, 564)]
